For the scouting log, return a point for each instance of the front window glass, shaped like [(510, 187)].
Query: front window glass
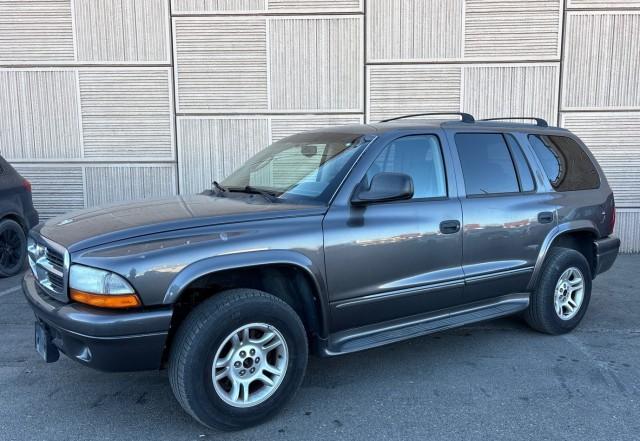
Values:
[(417, 156), (303, 167)]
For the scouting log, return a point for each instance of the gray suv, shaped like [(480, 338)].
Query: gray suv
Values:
[(330, 241)]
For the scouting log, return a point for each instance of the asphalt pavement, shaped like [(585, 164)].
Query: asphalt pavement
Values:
[(493, 381)]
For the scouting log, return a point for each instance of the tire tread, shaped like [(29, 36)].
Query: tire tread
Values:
[(537, 314)]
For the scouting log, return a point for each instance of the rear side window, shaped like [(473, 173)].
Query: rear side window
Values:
[(486, 164), (522, 166), (567, 166)]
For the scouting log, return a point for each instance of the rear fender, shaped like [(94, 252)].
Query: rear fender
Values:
[(577, 225)]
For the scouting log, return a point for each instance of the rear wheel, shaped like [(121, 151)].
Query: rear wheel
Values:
[(562, 295), (238, 358), (13, 248)]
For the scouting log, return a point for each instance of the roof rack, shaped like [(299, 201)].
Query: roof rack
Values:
[(539, 121), (466, 118)]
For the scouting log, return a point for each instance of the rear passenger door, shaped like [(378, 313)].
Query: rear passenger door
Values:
[(507, 213)]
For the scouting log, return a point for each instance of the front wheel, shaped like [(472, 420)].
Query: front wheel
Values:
[(562, 294), (238, 358)]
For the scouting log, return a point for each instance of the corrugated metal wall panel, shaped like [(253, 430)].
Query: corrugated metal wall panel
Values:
[(36, 31), (56, 189), (122, 31), (404, 89), (314, 5), (213, 6), (514, 89), (283, 66), (211, 148), (614, 139), (282, 127), (127, 113), (256, 6), (316, 63), (603, 4), (414, 30), (39, 114), (507, 29), (116, 183), (602, 60), (221, 64), (628, 230)]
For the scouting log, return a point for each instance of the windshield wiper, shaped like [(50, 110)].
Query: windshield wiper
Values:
[(268, 195), (220, 189)]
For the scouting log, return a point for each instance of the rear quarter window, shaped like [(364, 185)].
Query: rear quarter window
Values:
[(566, 164)]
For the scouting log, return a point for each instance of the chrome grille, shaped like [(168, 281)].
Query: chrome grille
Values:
[(55, 258), (57, 282), (49, 264)]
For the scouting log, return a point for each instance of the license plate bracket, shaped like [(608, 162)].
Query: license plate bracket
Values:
[(44, 344)]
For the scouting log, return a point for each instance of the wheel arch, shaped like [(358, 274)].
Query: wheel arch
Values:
[(16, 218), (571, 235), (290, 276)]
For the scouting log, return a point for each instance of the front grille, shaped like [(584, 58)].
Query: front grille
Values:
[(57, 282), (47, 261), (55, 258)]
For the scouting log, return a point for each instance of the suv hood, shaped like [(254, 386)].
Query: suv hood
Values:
[(97, 226)]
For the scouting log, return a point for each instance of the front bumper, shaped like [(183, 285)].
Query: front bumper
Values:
[(101, 339), (606, 253)]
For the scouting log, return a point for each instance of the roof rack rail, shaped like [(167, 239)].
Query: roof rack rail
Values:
[(539, 121), (466, 117)]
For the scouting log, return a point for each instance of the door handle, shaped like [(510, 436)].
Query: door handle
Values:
[(546, 217), (449, 226)]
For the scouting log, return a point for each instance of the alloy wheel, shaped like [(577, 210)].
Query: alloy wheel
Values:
[(250, 365), (569, 293), (10, 249)]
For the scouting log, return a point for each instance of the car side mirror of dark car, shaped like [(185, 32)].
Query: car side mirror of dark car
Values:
[(385, 187)]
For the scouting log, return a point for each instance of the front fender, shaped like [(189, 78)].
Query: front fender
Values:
[(248, 259), (572, 226)]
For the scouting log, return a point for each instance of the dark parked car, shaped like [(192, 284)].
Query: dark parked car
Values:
[(330, 242), (17, 216)]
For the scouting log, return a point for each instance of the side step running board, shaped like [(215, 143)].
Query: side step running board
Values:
[(396, 330)]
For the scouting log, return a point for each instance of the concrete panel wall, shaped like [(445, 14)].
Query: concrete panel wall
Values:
[(86, 99), (154, 97)]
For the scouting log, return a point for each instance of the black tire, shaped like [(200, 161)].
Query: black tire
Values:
[(541, 314), (13, 248), (205, 330)]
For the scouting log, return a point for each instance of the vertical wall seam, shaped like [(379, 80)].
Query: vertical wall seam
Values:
[(562, 60), (365, 60), (174, 96)]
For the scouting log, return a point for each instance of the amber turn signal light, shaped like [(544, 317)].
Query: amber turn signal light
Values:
[(106, 301)]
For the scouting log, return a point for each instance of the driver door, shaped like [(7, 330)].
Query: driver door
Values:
[(395, 259)]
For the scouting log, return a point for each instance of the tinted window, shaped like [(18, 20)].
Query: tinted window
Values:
[(486, 164), (417, 156), (522, 166), (567, 166)]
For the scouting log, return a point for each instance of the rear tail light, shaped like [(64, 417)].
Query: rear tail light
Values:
[(612, 223), (27, 185)]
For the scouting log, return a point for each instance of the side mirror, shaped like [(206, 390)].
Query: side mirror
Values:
[(385, 187)]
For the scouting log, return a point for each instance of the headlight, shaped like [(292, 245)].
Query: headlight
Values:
[(101, 288)]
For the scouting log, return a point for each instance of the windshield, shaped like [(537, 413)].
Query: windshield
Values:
[(303, 167)]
